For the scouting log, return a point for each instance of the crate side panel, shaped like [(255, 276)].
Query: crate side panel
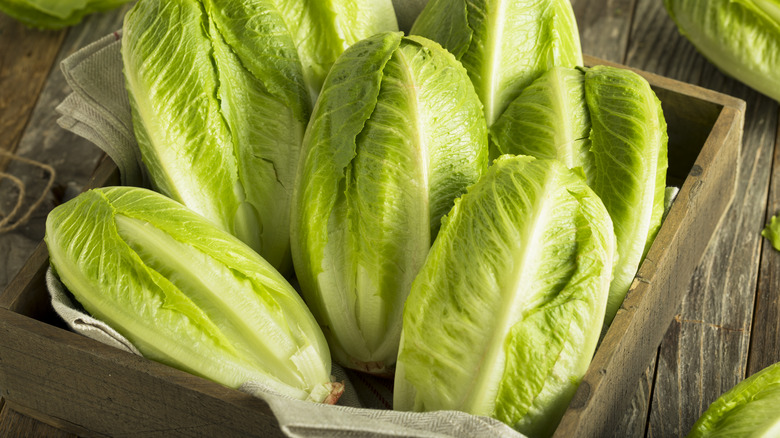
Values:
[(104, 390)]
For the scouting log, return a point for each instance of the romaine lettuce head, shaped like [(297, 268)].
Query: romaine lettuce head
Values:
[(741, 37), (750, 409), (504, 316), (186, 293), (55, 14), (323, 29), (219, 110), (504, 45), (629, 146), (608, 124), (397, 134)]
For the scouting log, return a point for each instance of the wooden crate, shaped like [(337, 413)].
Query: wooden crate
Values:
[(91, 389)]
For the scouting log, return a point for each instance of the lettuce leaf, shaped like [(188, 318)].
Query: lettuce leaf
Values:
[(504, 45), (219, 108), (55, 14), (747, 410), (549, 120), (772, 232), (629, 145), (741, 37), (323, 29)]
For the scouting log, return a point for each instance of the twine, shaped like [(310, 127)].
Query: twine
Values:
[(7, 223)]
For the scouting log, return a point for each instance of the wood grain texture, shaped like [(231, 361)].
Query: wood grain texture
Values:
[(657, 46), (705, 349), (633, 421), (26, 58), (79, 384), (765, 331), (73, 157), (604, 27), (24, 426), (705, 352), (27, 419)]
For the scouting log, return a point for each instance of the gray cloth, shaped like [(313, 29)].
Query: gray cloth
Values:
[(99, 110), (306, 419), (79, 321)]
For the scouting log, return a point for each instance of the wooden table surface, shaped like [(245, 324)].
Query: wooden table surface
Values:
[(727, 328)]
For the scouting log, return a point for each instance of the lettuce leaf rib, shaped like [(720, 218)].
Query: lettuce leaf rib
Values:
[(346, 103), (608, 125), (323, 29), (549, 120)]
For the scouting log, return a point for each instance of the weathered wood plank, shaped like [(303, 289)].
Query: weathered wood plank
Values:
[(706, 355), (710, 347), (633, 422), (14, 424), (25, 61), (704, 352), (604, 27), (73, 157), (657, 46), (107, 391), (765, 332)]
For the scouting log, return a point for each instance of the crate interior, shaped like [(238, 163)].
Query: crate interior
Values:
[(689, 122)]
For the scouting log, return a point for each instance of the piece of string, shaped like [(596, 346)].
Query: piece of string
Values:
[(6, 223)]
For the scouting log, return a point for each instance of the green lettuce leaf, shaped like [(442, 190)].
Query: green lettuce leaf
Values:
[(504, 45), (219, 110), (629, 146), (397, 134), (186, 293), (549, 120), (504, 316), (323, 29), (55, 14), (772, 232), (741, 37), (750, 409)]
